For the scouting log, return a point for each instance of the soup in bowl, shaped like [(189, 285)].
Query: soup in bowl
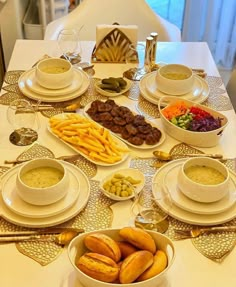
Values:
[(54, 73), (42, 181), (204, 179), (174, 79)]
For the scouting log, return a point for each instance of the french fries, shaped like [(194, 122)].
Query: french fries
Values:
[(87, 137)]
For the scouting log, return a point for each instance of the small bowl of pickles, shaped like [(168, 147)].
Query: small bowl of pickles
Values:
[(123, 184), (113, 86)]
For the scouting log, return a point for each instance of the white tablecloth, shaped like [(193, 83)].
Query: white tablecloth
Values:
[(190, 267)]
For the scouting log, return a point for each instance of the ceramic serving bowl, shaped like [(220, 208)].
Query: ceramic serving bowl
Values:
[(54, 73), (77, 248), (204, 179), (123, 184), (174, 79), (42, 181), (196, 138)]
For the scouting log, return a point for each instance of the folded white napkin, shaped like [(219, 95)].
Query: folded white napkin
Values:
[(131, 31)]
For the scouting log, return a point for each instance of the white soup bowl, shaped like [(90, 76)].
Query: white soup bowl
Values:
[(45, 193), (209, 191)]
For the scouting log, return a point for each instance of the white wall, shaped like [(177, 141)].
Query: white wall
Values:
[(11, 16)]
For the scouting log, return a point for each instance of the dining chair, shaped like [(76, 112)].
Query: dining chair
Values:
[(231, 88), (90, 13)]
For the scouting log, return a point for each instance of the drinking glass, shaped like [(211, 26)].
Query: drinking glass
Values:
[(137, 55), (69, 44), (23, 118), (148, 211)]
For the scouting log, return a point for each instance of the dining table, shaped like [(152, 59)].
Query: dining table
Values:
[(193, 266)]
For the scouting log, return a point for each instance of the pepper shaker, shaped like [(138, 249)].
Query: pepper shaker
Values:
[(154, 35), (148, 51)]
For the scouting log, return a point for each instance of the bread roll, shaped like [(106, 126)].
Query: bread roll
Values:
[(103, 244), (139, 238), (159, 264), (126, 248), (134, 265), (98, 266)]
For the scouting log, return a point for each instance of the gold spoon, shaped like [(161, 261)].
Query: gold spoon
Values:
[(62, 238), (63, 157), (164, 156)]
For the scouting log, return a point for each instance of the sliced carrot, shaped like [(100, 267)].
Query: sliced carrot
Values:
[(175, 110)]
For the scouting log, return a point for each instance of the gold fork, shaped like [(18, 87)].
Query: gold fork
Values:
[(195, 232)]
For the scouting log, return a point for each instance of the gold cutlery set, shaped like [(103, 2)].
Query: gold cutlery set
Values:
[(60, 236), (195, 232)]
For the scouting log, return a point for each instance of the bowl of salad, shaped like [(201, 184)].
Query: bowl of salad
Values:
[(192, 123)]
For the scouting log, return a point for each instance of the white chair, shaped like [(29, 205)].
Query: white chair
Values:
[(231, 88), (124, 12)]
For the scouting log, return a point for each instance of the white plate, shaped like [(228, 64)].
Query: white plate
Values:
[(80, 203), (60, 98), (190, 217), (118, 141), (19, 206), (143, 146), (132, 172), (29, 78), (153, 99), (187, 204), (113, 94), (152, 88)]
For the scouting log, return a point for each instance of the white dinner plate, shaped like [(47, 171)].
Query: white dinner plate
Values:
[(29, 78), (71, 212), (198, 98), (152, 88), (112, 94), (190, 217), (101, 163), (19, 206), (193, 206), (144, 146), (56, 98)]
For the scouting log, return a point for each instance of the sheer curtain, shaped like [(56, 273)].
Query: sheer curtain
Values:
[(214, 22)]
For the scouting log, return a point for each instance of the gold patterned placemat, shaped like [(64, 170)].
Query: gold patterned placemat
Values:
[(215, 246), (96, 215)]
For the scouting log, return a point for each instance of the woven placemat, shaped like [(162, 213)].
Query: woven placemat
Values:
[(96, 215), (215, 246)]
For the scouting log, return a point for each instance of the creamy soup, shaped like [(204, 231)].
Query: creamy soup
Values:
[(42, 177), (175, 76), (204, 175), (54, 70)]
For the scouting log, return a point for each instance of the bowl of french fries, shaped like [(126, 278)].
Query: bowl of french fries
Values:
[(89, 139), (123, 184)]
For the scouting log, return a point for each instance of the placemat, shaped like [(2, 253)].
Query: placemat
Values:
[(215, 246), (96, 215)]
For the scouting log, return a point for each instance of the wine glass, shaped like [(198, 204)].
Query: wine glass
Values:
[(148, 209), (69, 44), (23, 117), (138, 56)]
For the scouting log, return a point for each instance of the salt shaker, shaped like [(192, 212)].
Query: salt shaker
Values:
[(154, 35), (148, 51)]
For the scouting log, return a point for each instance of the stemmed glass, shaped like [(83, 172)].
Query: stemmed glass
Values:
[(69, 44), (147, 209), (139, 56), (23, 118)]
